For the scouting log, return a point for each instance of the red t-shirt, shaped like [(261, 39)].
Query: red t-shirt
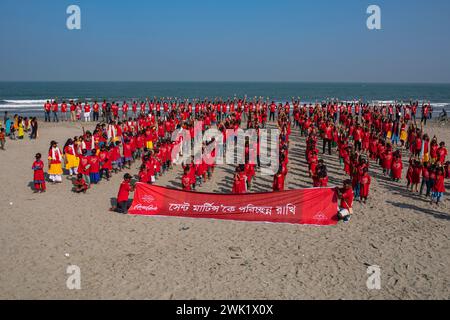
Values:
[(124, 191), (347, 199)]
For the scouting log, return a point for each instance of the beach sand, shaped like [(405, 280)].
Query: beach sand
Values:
[(132, 257)]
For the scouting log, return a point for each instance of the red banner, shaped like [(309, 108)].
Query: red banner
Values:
[(309, 206)]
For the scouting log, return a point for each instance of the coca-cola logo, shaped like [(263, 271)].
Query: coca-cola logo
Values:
[(148, 198), (141, 207), (320, 216)]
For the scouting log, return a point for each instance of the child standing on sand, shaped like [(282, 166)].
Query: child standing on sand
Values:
[(2, 138), (55, 158), (364, 185), (39, 177), (439, 186), (94, 170), (71, 159), (20, 129)]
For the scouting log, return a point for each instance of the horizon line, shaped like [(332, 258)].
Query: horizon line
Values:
[(224, 81)]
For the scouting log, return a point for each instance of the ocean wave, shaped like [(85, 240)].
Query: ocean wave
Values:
[(21, 106), (26, 102), (33, 102)]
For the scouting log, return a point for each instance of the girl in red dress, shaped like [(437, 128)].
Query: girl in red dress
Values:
[(39, 177), (364, 181), (416, 175), (397, 167), (278, 181), (240, 182)]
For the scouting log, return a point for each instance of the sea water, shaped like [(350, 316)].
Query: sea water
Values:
[(28, 98)]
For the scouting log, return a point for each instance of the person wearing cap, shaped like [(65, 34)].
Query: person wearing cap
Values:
[(346, 197)]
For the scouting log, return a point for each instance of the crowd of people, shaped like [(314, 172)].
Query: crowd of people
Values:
[(16, 128), (361, 135)]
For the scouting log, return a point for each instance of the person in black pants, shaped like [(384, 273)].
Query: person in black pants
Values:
[(47, 116), (325, 142), (272, 116)]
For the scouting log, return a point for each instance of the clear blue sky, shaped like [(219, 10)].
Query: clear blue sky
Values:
[(225, 40)]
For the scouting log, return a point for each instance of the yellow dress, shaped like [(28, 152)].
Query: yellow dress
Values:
[(72, 161), (55, 169), (20, 132), (403, 135)]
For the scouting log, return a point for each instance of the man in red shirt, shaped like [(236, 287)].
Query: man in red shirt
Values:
[(327, 137), (63, 111), (87, 112), (96, 109), (47, 109), (73, 109), (123, 195), (124, 110), (55, 111)]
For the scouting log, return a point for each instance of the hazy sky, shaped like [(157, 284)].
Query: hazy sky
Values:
[(225, 40)]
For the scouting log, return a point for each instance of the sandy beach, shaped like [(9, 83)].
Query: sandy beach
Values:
[(129, 257)]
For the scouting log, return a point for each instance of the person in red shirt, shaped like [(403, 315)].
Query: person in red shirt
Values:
[(441, 153), (250, 173), (278, 181), (94, 170), (79, 184), (39, 177), (397, 167), (127, 153), (64, 111), (240, 182), (439, 186), (73, 109), (416, 175), (364, 181), (320, 178), (47, 109), (186, 180), (357, 137), (327, 137), (124, 110), (346, 196), (134, 109), (426, 182), (105, 162), (386, 160), (55, 111), (95, 111), (122, 197), (84, 166), (143, 174), (87, 112)]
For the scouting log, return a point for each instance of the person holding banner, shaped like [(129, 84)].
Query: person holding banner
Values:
[(346, 196), (123, 196)]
